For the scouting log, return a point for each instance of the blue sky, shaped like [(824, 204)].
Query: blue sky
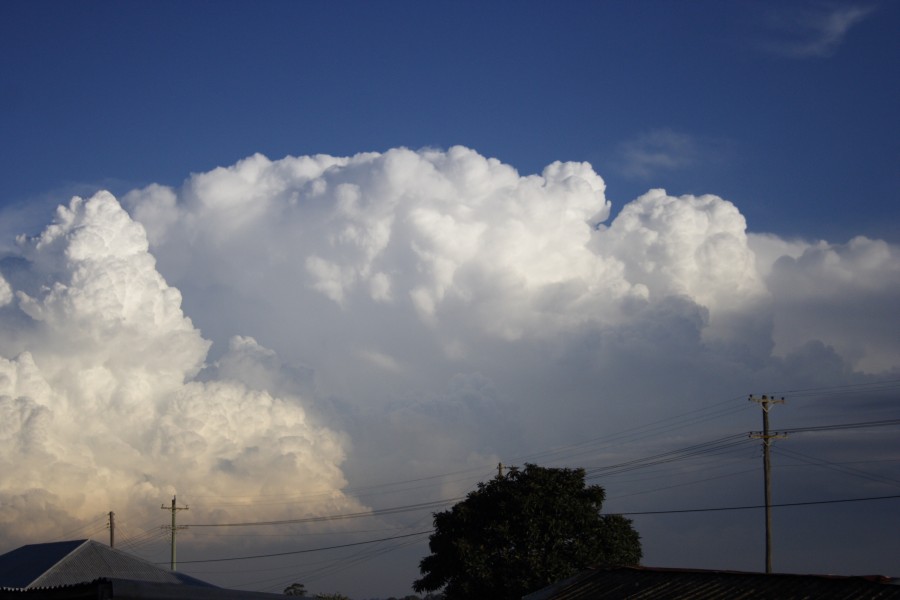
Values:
[(766, 106), (325, 257)]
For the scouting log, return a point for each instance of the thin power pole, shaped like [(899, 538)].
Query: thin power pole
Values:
[(509, 469), (766, 403), (112, 529), (174, 527)]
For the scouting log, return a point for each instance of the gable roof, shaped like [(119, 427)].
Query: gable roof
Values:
[(80, 561), (644, 583)]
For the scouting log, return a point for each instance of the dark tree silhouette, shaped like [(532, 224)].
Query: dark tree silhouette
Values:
[(521, 532)]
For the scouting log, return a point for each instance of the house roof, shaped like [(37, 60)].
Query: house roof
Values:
[(80, 561), (126, 589), (643, 583)]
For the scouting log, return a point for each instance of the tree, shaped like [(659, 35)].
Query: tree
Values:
[(295, 589), (516, 534)]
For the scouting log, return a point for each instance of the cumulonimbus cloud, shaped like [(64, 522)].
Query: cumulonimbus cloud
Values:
[(435, 230), (423, 304), (98, 399)]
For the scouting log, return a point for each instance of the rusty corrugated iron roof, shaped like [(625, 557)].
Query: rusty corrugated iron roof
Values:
[(645, 583)]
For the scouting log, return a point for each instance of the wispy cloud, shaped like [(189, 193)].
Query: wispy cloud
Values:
[(657, 151), (815, 32)]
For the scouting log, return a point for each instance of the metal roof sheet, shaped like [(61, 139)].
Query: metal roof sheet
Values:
[(120, 589), (67, 563), (21, 566), (643, 583)]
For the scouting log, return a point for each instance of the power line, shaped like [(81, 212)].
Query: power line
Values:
[(636, 513), (715, 446), (712, 446), (835, 467), (642, 431), (677, 485), (143, 537), (98, 522), (358, 515), (839, 426), (756, 506), (296, 534), (343, 563), (679, 454), (395, 537), (872, 386), (712, 411), (357, 490)]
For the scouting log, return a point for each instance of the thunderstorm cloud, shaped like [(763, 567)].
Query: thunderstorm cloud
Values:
[(330, 320)]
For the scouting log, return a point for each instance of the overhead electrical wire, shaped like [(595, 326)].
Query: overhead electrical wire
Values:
[(841, 426), (633, 513), (835, 390), (364, 555), (90, 525), (311, 572), (835, 467), (356, 490), (677, 485), (293, 552), (710, 412), (716, 446), (145, 537), (756, 506), (372, 513), (295, 534), (643, 431), (713, 447), (666, 457)]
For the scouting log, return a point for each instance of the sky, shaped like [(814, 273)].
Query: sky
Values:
[(316, 268)]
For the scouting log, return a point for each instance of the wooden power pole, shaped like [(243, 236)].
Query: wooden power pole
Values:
[(766, 403), (112, 529), (174, 527)]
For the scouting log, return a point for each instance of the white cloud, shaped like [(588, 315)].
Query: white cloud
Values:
[(817, 32), (692, 245), (415, 258), (6, 295), (98, 405), (658, 151), (841, 295), (422, 230), (388, 316)]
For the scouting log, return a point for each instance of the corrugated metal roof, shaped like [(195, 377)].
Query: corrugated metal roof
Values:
[(67, 563), (119, 589), (642, 583), (21, 566)]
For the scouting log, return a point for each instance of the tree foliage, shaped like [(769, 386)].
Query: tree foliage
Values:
[(295, 589), (519, 533)]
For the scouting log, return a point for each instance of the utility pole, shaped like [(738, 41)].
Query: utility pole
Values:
[(766, 403), (174, 527), (112, 529)]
